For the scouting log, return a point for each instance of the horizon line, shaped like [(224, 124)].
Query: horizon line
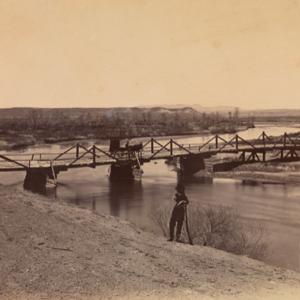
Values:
[(172, 106)]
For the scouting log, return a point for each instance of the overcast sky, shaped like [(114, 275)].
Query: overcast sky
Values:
[(62, 53)]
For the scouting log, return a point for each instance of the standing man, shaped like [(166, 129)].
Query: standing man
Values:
[(178, 212)]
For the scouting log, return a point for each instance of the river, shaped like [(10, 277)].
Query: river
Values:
[(277, 207)]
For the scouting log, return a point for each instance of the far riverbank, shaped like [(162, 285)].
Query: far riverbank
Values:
[(265, 173), (14, 140)]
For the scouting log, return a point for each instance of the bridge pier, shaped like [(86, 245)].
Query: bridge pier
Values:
[(191, 164), (35, 181), (121, 172)]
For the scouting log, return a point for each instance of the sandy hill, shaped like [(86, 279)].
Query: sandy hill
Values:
[(49, 250)]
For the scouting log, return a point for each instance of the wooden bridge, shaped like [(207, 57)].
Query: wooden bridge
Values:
[(40, 167), (260, 150)]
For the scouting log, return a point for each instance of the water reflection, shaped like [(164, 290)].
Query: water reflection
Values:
[(198, 179), (51, 192), (123, 195)]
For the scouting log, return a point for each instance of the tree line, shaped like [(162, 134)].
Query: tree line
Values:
[(117, 122)]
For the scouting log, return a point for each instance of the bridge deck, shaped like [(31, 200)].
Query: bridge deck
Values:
[(79, 156)]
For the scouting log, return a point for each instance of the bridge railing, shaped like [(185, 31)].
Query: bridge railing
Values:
[(75, 155), (84, 155), (156, 149)]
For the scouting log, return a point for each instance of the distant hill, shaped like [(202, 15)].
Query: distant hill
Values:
[(200, 108)]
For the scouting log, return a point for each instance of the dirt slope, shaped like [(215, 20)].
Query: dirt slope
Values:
[(49, 250)]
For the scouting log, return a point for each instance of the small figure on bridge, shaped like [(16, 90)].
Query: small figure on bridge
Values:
[(178, 212)]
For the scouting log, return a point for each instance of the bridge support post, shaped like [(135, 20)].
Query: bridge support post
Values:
[(35, 181)]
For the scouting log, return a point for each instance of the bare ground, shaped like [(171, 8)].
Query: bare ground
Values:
[(50, 250)]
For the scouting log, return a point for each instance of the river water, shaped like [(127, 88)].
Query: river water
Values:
[(277, 207)]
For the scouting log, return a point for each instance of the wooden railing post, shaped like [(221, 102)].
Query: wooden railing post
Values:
[(152, 145), (237, 142), (217, 141), (264, 138), (171, 146), (94, 154), (284, 139), (77, 151), (243, 156)]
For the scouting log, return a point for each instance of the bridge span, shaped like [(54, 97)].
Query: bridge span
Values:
[(42, 166)]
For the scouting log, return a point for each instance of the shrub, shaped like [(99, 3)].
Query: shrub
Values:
[(219, 227)]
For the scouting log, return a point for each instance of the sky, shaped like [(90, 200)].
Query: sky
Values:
[(98, 53)]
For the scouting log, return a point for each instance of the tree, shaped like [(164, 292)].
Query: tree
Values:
[(236, 115)]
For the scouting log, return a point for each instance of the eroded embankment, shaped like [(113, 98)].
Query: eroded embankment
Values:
[(49, 250)]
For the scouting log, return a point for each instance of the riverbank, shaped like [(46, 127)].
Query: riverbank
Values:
[(265, 173), (51, 250)]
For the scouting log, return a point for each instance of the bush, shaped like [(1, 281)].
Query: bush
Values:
[(219, 227)]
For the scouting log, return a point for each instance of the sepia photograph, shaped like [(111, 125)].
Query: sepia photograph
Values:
[(149, 149)]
